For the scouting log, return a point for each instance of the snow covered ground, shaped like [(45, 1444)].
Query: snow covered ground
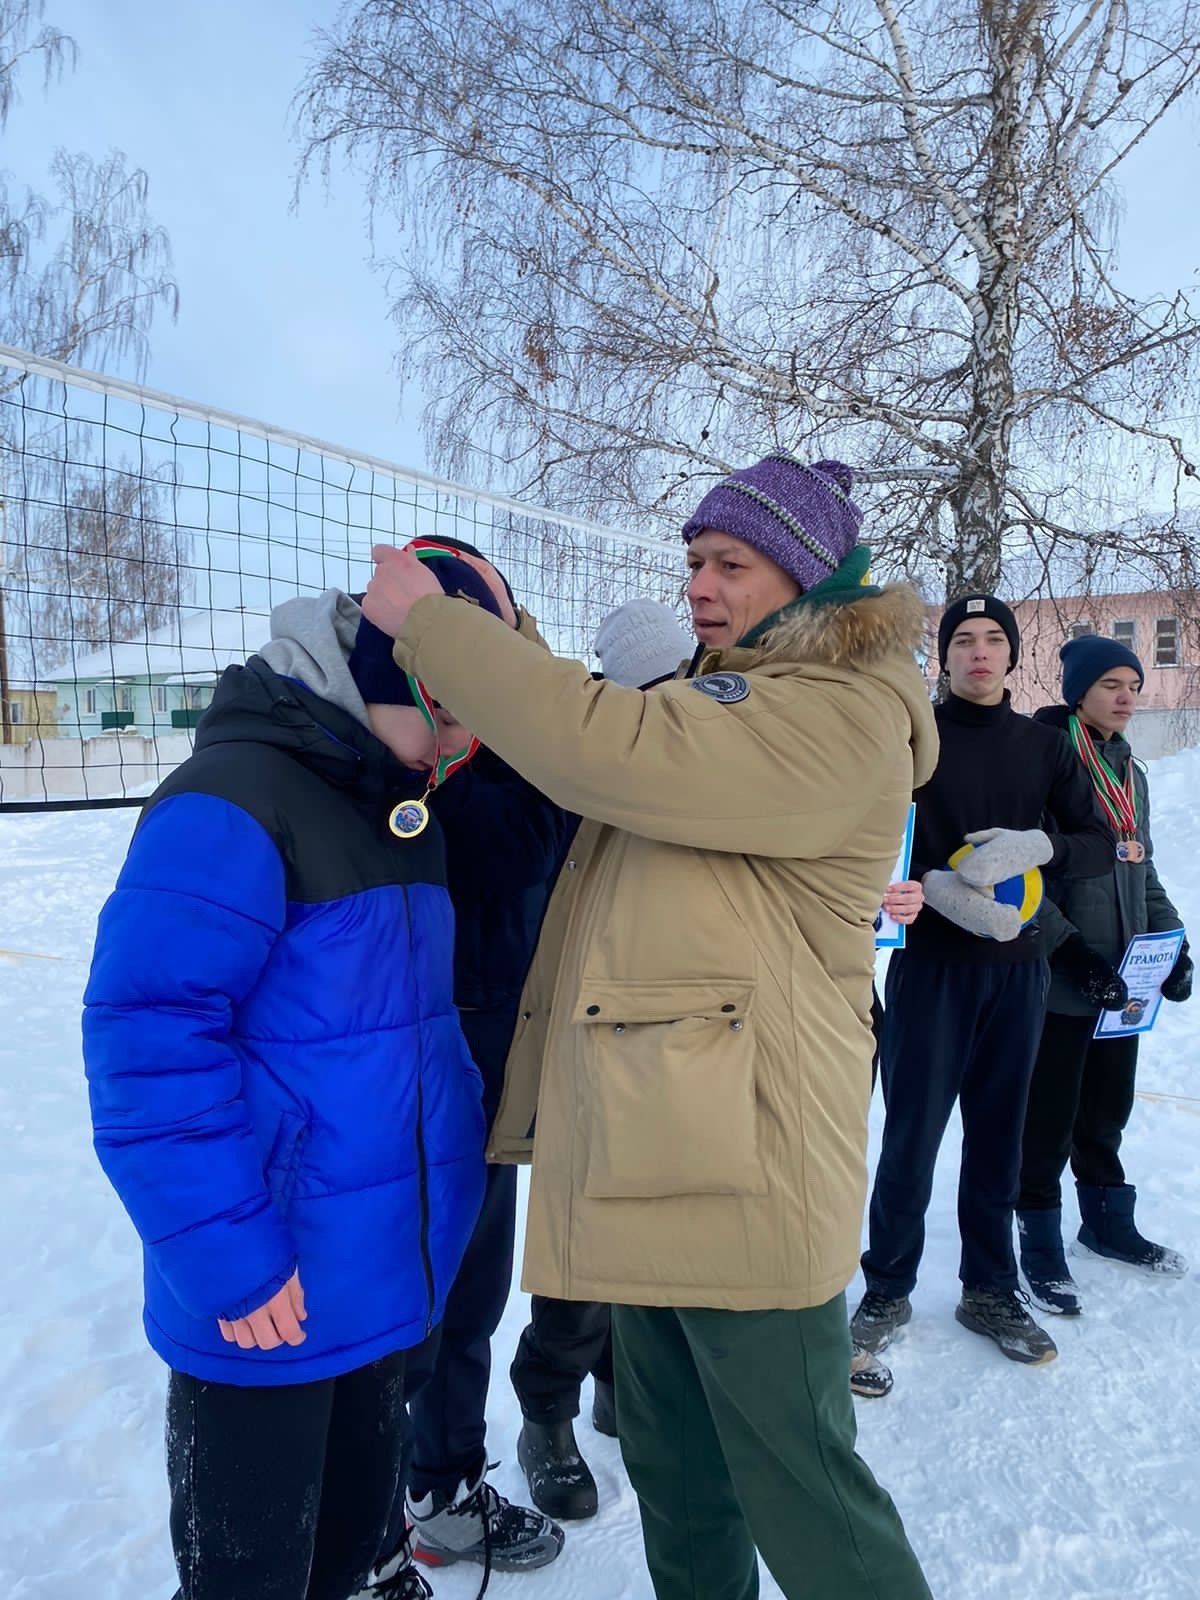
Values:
[(1077, 1481)]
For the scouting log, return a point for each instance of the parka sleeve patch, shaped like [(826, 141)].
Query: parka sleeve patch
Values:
[(729, 688)]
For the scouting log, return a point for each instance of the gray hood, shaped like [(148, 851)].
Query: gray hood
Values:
[(311, 639)]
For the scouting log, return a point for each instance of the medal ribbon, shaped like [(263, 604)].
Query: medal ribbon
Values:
[(1118, 800)]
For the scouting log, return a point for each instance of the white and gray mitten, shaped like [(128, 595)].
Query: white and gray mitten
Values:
[(1002, 853), (970, 909)]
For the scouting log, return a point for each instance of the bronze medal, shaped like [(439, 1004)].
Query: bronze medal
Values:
[(408, 819), (1131, 851)]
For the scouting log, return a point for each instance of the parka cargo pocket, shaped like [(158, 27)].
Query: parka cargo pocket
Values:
[(671, 1082)]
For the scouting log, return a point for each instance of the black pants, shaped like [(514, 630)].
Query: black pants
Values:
[(283, 1493), (1079, 1103), (564, 1341), (955, 1031), (876, 1033), (448, 1375)]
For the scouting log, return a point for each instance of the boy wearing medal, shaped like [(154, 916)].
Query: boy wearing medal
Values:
[(1082, 1091), (963, 1001), (283, 1100)]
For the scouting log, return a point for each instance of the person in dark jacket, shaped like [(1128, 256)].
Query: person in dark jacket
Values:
[(504, 844), (282, 1098), (639, 644), (963, 1002), (1081, 1095)]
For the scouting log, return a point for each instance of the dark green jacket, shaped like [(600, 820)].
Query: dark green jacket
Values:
[(1107, 912)]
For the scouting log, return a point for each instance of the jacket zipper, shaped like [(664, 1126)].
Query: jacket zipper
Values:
[(422, 1166), (423, 1172)]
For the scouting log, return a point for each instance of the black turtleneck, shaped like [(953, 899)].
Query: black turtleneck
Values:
[(998, 769)]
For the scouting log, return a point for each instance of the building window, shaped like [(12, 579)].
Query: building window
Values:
[(196, 696), (1166, 642), (16, 713), (89, 702), (1126, 633), (158, 699), (1080, 630), (122, 697)]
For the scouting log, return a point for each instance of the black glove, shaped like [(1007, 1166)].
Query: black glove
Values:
[(1091, 974), (1179, 981)]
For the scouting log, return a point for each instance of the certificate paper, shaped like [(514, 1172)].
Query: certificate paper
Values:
[(1145, 968), (889, 935)]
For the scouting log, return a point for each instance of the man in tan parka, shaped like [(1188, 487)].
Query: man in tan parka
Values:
[(692, 1067)]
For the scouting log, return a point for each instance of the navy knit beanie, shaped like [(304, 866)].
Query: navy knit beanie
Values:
[(372, 666), (966, 609), (1086, 660)]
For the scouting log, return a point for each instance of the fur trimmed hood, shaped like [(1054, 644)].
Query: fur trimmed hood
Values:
[(851, 634), (855, 633)]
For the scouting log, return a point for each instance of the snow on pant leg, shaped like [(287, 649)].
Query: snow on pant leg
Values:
[(245, 1467), (698, 1546), (775, 1383), (564, 1341), (1105, 1104), (931, 1009), (1050, 1113), (361, 1481), (449, 1374), (993, 1098)]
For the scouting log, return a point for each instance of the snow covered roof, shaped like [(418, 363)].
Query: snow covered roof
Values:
[(195, 645)]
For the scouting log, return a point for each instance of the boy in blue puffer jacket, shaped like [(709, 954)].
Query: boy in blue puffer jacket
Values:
[(283, 1100)]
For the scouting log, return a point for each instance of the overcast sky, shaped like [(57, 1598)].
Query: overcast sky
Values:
[(281, 316)]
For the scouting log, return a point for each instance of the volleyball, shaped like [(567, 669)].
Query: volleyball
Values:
[(1024, 890)]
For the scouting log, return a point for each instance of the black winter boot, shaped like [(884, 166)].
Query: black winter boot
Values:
[(1107, 1229), (1044, 1262), (1000, 1315), (604, 1408), (874, 1324), (560, 1481)]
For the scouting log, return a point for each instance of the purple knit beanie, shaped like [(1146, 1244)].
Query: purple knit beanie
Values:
[(800, 516)]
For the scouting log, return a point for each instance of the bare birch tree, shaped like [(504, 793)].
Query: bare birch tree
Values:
[(642, 243), (104, 563), (83, 271)]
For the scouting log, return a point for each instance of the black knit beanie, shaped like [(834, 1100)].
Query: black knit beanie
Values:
[(966, 609)]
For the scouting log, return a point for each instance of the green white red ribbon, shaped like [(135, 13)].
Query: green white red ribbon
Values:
[(1118, 800)]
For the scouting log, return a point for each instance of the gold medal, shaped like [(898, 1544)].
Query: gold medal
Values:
[(409, 818)]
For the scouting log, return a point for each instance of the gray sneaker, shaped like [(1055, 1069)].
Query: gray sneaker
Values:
[(1000, 1315), (480, 1525), (877, 1319)]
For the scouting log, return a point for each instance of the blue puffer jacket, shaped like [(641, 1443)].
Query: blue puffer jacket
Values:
[(277, 1072)]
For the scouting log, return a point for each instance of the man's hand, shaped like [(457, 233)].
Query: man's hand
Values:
[(902, 901), (1001, 853), (276, 1323), (398, 582)]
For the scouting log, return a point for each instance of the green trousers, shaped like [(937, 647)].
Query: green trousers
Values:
[(737, 1429)]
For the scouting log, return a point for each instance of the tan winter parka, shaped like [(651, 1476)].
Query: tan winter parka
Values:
[(694, 1048)]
